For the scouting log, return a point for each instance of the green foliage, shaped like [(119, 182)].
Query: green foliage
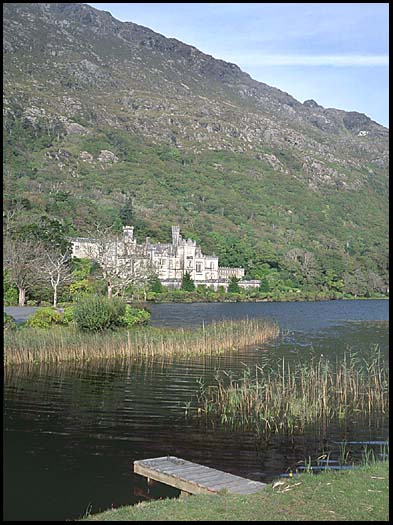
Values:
[(127, 216), (81, 268), (155, 285), (96, 313), (134, 317), (264, 285), (243, 217), (232, 251), (41, 293), (45, 318), (31, 302), (8, 322), (10, 292), (83, 282), (187, 283), (117, 226), (50, 232), (202, 289), (80, 288), (68, 315), (237, 203), (167, 153), (233, 286)]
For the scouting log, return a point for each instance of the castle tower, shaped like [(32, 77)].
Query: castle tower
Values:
[(128, 233), (175, 235)]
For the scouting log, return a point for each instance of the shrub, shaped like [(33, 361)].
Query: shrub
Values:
[(95, 313), (79, 288), (151, 296), (135, 316), (187, 283), (30, 302), (10, 291), (233, 286), (45, 318), (155, 285), (11, 297), (119, 309), (8, 322), (68, 315), (45, 303), (264, 285)]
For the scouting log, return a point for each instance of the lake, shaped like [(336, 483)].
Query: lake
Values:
[(72, 432)]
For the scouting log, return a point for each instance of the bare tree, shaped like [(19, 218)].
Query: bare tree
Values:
[(122, 263), (22, 259), (14, 218), (55, 268), (136, 273), (302, 263)]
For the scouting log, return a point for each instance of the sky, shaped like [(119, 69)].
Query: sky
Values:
[(334, 53)]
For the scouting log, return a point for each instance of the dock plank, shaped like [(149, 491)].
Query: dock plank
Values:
[(206, 478), (194, 478)]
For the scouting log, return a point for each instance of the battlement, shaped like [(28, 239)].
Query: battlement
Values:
[(227, 272), (128, 233), (169, 261)]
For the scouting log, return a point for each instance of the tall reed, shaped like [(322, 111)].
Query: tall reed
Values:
[(60, 344), (287, 398)]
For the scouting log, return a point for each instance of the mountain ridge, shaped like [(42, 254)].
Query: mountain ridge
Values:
[(89, 99)]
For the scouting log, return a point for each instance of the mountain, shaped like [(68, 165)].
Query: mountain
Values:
[(103, 116)]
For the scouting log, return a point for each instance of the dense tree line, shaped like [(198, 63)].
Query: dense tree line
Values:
[(329, 244), (38, 267)]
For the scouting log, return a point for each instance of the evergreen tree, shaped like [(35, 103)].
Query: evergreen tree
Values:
[(187, 283), (127, 213), (117, 225), (155, 285), (50, 233), (264, 285), (233, 286)]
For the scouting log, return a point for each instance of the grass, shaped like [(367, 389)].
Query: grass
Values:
[(357, 495), (61, 344), (286, 398)]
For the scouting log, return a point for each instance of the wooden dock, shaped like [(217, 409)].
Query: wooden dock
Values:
[(192, 478)]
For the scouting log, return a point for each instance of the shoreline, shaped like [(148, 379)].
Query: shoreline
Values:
[(328, 496), (251, 300), (204, 300), (63, 344)]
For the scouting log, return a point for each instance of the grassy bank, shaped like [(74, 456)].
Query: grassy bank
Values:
[(252, 296), (59, 344), (356, 495)]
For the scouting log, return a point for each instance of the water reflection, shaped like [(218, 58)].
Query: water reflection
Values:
[(298, 316), (72, 432)]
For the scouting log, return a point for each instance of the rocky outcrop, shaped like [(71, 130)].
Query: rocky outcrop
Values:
[(96, 71)]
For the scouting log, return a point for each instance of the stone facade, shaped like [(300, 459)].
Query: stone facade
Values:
[(169, 261)]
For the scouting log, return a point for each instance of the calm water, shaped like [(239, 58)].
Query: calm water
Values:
[(73, 432)]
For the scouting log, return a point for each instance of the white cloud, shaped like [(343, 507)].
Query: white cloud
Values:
[(256, 59)]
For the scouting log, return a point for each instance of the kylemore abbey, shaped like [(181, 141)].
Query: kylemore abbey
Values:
[(169, 262)]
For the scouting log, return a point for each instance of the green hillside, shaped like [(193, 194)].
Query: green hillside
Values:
[(94, 133)]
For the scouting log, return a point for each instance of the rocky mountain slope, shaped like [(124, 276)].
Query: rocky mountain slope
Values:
[(96, 109)]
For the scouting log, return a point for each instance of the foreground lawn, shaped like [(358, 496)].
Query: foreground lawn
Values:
[(361, 494)]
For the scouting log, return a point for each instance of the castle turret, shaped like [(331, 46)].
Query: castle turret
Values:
[(175, 235), (128, 233)]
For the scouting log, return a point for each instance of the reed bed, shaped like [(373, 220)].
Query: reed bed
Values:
[(287, 397), (62, 344)]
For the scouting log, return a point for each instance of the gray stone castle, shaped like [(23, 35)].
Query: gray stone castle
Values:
[(168, 261)]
